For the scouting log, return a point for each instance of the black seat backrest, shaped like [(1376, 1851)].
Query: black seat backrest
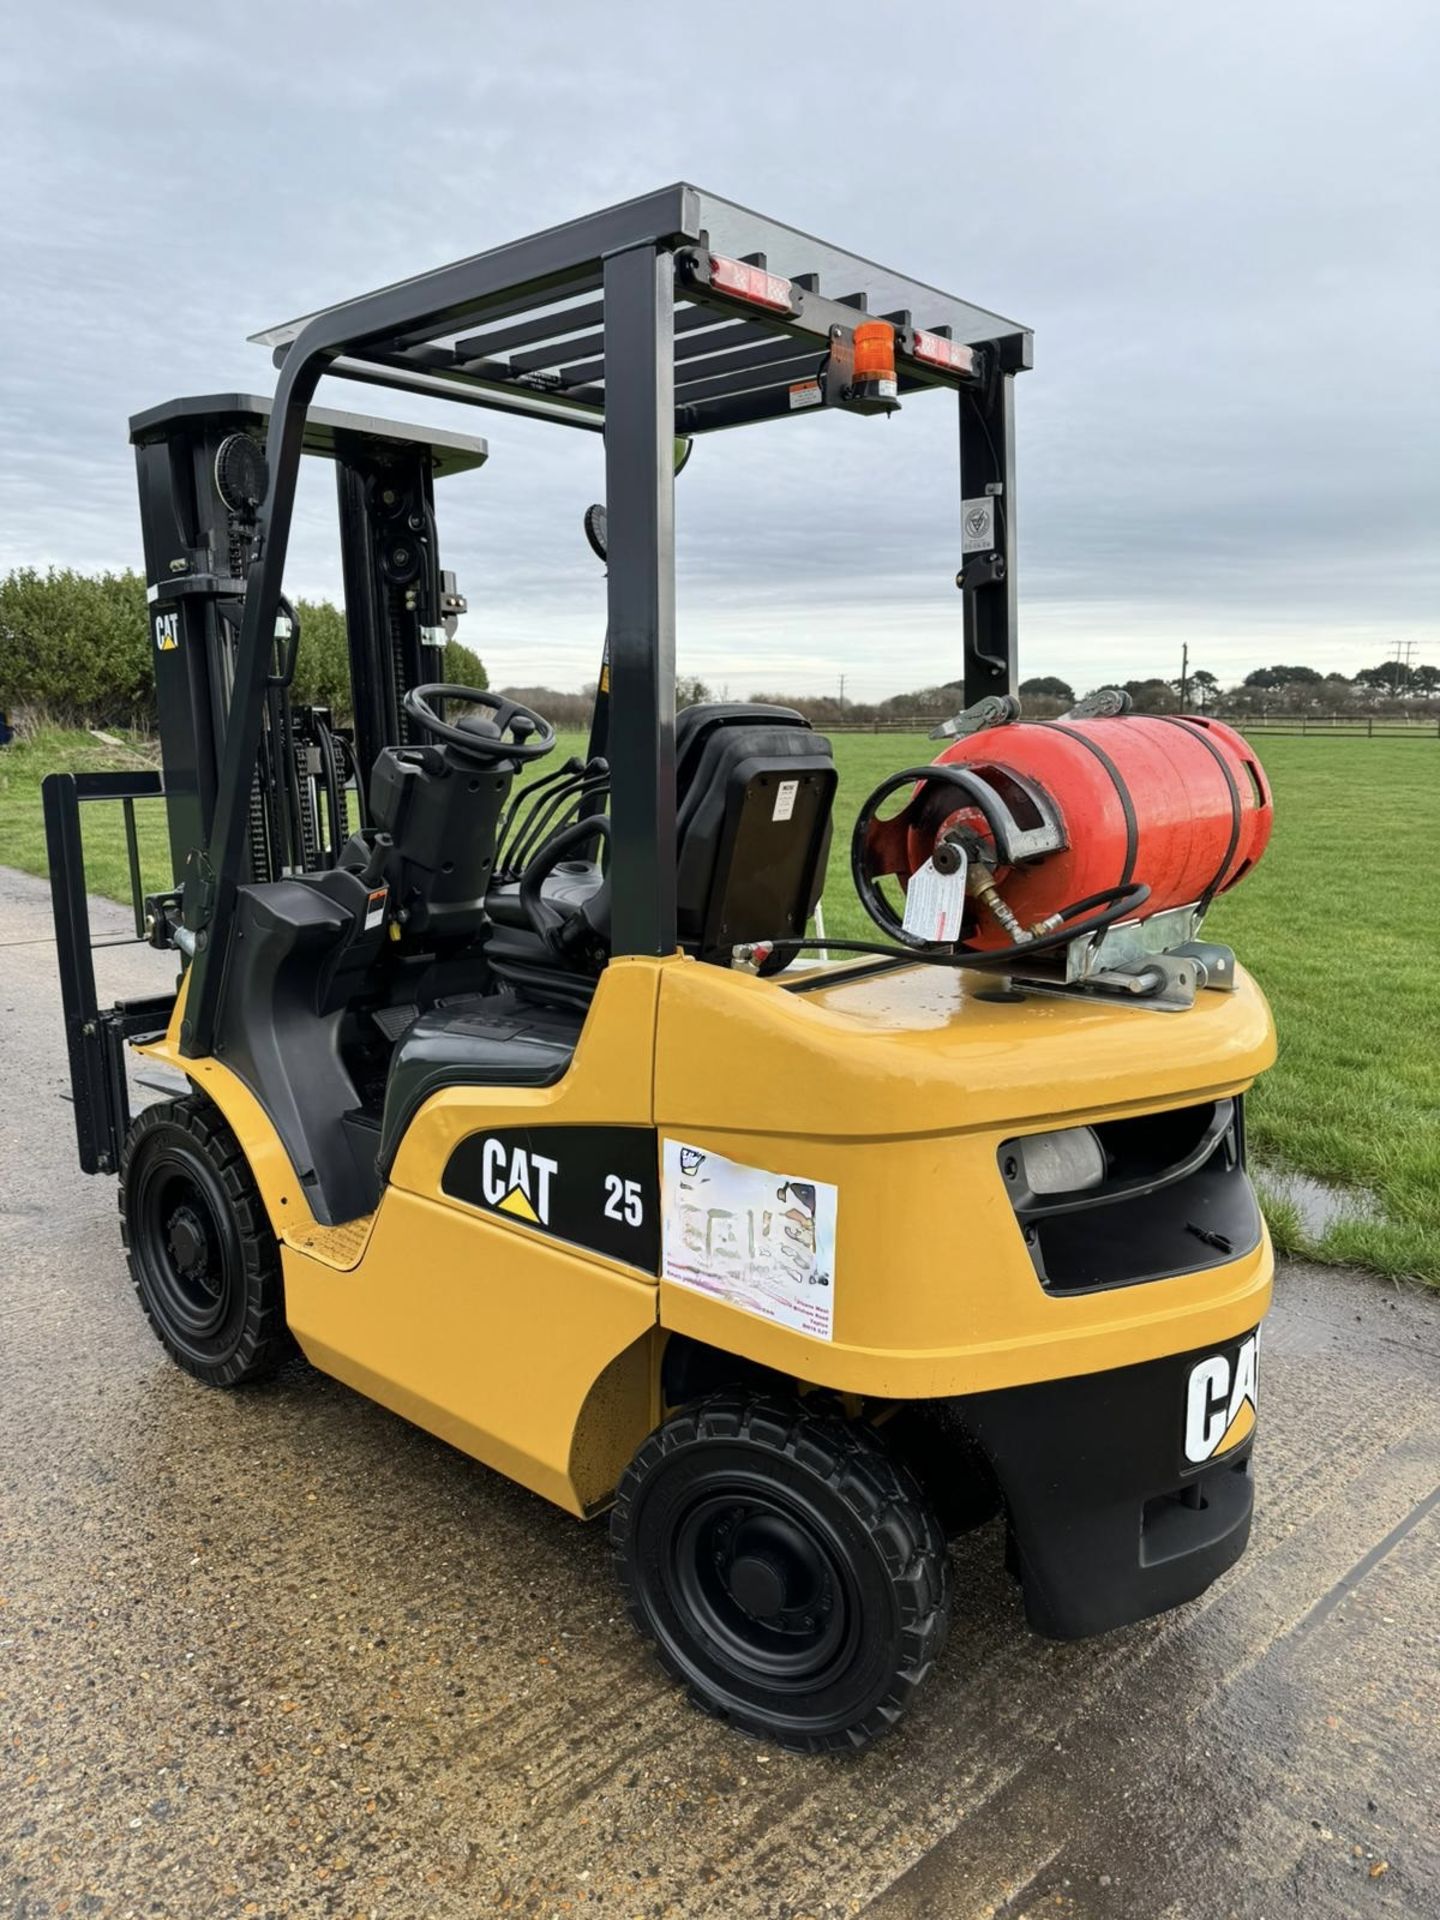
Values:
[(694, 726), (754, 788)]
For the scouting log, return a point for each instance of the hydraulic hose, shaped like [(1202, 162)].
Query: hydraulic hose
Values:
[(1114, 903)]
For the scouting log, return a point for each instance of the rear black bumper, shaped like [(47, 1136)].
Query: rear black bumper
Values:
[(1109, 1520)]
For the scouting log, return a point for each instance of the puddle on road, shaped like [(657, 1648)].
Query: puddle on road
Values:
[(1318, 1205)]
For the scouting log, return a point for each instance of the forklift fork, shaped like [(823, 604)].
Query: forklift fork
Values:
[(96, 1037)]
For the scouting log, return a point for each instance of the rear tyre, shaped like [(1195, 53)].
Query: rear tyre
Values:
[(201, 1254), (790, 1573)]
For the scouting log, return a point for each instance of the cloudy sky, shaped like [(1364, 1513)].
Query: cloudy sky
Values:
[(1221, 220)]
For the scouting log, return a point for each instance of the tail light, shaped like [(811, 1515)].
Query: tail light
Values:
[(747, 282), (936, 351)]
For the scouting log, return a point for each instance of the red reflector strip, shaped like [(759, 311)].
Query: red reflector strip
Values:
[(750, 283), (935, 349)]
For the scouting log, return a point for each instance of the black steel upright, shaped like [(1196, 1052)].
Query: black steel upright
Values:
[(987, 575), (640, 512), (192, 569), (212, 872), (390, 563)]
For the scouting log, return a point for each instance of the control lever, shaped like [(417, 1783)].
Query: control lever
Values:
[(373, 871)]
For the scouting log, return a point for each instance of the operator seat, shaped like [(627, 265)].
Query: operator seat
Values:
[(754, 790)]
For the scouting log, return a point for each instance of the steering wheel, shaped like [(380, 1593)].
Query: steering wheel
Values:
[(507, 716)]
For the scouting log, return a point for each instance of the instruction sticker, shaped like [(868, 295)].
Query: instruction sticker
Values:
[(977, 524), (785, 799), (805, 393), (375, 908), (935, 902), (757, 1240)]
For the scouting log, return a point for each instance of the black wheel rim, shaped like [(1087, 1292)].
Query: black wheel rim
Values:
[(189, 1252), (762, 1585), (758, 1589)]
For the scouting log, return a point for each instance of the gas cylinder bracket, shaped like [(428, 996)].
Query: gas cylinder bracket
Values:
[(1158, 983)]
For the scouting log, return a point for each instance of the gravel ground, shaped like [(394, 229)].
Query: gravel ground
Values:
[(279, 1653)]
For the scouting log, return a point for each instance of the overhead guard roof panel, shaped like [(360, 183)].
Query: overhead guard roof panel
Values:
[(682, 214)]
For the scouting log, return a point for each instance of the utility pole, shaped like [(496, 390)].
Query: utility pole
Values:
[(842, 693), (1404, 656), (1184, 675)]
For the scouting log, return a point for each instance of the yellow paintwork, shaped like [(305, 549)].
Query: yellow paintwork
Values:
[(535, 1358), (543, 1360), (898, 1090)]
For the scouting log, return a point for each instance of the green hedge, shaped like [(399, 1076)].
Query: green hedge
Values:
[(76, 648)]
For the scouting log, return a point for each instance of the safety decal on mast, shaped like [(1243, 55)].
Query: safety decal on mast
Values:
[(977, 524)]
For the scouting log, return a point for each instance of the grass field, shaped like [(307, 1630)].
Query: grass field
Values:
[(1341, 923)]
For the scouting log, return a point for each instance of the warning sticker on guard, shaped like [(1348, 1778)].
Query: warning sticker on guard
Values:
[(805, 393), (757, 1240), (785, 793), (977, 525), (935, 902), (375, 908)]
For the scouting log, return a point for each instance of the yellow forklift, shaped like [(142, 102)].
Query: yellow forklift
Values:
[(531, 1105)]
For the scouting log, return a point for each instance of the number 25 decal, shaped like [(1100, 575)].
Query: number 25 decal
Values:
[(624, 1200)]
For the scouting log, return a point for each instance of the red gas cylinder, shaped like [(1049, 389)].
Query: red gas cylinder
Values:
[(1178, 803)]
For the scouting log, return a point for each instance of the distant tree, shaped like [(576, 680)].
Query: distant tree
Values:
[(1204, 688), (567, 710), (322, 667), (1050, 687), (1269, 678), (1152, 696), (76, 647), (464, 667), (925, 700), (691, 693), (1391, 677)]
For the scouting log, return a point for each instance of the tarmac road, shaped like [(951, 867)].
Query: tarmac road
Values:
[(279, 1653)]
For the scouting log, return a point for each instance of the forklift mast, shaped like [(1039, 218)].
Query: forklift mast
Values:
[(202, 477)]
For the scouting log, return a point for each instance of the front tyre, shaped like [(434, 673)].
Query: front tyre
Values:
[(790, 1572), (201, 1253)]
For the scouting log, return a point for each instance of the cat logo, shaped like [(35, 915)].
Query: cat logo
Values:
[(167, 632), (517, 1182), (1220, 1402)]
